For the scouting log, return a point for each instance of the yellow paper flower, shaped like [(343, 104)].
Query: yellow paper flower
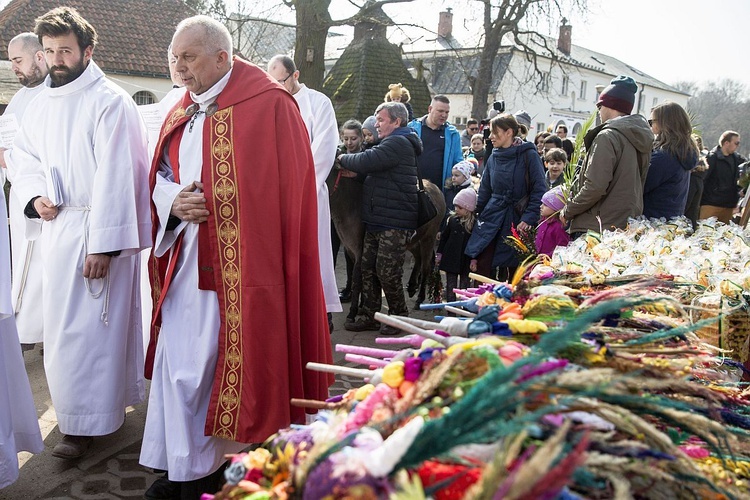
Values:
[(364, 391), (393, 374)]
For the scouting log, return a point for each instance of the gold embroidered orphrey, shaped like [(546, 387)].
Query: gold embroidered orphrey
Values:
[(226, 215)]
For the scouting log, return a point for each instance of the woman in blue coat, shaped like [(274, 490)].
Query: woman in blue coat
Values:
[(510, 194), (675, 154)]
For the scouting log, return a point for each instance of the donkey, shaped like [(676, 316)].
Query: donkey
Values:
[(346, 202)]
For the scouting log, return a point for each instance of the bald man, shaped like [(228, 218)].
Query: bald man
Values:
[(27, 62)]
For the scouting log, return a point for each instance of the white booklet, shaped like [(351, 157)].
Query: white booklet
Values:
[(8, 130), (54, 186)]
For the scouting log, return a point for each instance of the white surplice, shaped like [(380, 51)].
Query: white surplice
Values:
[(166, 105), (19, 428), (187, 351), (91, 133), (27, 265), (320, 119)]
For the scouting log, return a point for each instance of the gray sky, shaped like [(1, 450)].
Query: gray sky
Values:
[(671, 40)]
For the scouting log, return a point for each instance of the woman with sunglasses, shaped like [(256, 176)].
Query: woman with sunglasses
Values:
[(674, 155)]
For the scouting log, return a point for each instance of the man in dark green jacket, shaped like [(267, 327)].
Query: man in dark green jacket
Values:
[(609, 188)]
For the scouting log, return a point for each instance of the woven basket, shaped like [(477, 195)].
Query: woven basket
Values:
[(710, 304), (735, 334), (732, 332)]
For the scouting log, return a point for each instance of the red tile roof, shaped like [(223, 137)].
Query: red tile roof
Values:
[(133, 34)]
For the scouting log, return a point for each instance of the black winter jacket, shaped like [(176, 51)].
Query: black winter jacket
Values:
[(720, 187), (389, 197), (452, 245)]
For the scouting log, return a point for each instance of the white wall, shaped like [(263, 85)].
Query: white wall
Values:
[(518, 90), (132, 84)]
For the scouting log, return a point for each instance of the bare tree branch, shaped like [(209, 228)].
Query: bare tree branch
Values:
[(365, 12)]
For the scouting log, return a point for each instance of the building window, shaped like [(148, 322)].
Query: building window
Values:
[(654, 102), (582, 93), (144, 97), (540, 127), (565, 83), (545, 82), (641, 103)]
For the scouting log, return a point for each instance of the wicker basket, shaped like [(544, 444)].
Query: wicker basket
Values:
[(732, 332), (706, 307)]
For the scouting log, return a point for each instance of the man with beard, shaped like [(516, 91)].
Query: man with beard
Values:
[(82, 169), (27, 62)]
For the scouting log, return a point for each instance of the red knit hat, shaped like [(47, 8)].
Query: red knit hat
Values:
[(619, 94)]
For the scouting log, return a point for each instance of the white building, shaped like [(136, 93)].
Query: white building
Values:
[(568, 95)]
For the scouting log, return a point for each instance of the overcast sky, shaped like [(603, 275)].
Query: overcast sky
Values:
[(672, 40)]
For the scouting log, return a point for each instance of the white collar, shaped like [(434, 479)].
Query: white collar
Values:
[(91, 74), (210, 95)]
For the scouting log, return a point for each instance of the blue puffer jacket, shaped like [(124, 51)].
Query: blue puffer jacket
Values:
[(503, 184), (453, 152)]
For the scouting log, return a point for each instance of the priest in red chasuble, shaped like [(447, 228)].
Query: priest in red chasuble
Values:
[(239, 307)]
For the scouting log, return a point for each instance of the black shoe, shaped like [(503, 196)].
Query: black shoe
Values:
[(363, 325), (163, 489), (196, 488), (345, 295), (389, 330)]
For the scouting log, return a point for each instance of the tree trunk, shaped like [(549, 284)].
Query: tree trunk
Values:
[(313, 22), (481, 85)]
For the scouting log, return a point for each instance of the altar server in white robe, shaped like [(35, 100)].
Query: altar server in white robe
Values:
[(82, 167), (19, 428), (27, 62), (320, 120)]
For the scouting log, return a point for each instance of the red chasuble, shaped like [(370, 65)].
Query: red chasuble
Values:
[(259, 252)]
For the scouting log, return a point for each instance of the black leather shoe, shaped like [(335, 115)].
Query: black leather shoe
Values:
[(363, 325), (389, 330), (345, 295), (163, 489)]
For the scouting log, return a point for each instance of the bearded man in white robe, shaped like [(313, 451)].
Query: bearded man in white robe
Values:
[(27, 62), (320, 119), (82, 169)]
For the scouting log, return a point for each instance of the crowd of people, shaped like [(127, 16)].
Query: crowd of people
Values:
[(627, 166), (231, 257)]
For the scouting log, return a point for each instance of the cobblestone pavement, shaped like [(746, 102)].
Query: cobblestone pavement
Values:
[(110, 470)]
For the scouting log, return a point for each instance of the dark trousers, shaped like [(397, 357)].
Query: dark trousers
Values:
[(485, 268), (453, 280), (335, 246), (383, 257)]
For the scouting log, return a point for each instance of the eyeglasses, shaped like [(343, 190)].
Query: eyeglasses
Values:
[(282, 82), (598, 105), (651, 122), (472, 128)]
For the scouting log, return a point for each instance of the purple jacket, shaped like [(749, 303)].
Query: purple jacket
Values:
[(551, 234)]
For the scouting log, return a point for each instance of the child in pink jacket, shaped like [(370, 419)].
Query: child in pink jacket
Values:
[(551, 233)]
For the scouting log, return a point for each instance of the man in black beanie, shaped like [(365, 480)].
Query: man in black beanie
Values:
[(609, 187)]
